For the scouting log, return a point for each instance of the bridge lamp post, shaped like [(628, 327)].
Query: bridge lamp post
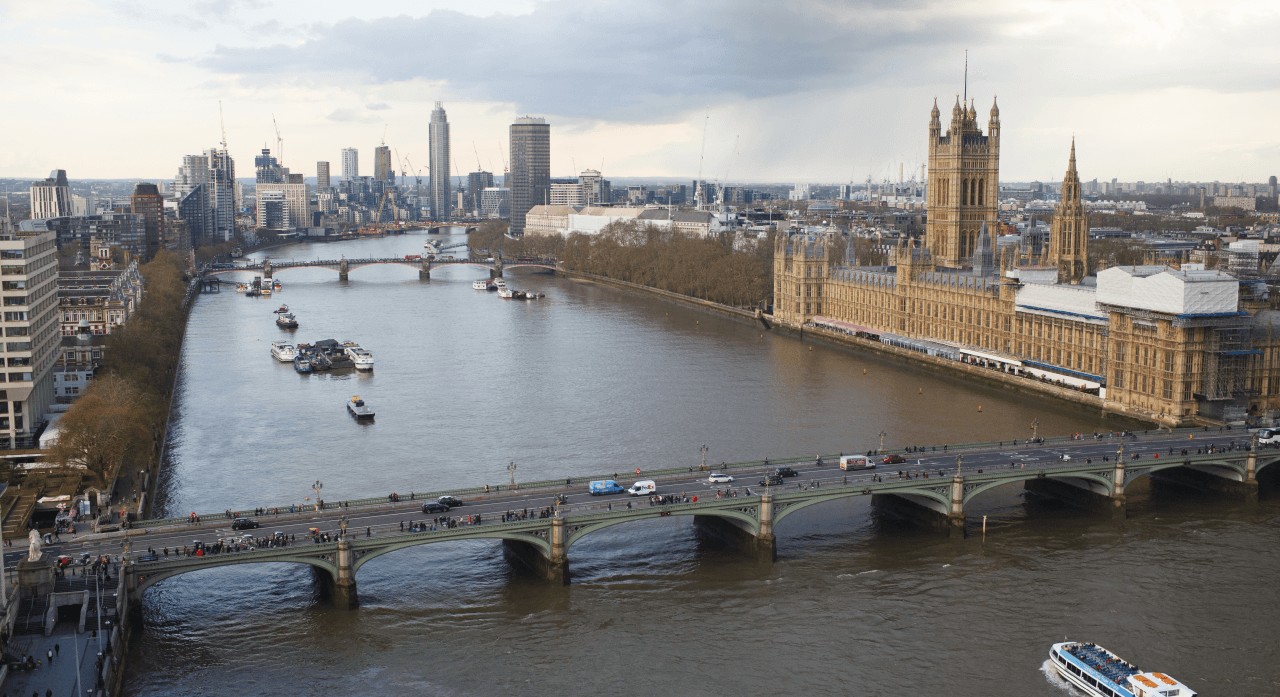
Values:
[(882, 435), (512, 469), (959, 462), (704, 456), (1035, 425), (318, 486)]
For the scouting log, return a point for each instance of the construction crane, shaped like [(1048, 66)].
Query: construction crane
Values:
[(479, 167), (279, 142), (403, 174), (697, 183), (417, 176), (223, 121)]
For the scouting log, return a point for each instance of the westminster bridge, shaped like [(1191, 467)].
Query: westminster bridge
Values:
[(423, 265), (538, 522)]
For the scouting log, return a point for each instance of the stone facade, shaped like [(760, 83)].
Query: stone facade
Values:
[(1157, 342)]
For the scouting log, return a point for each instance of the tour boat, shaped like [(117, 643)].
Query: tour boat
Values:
[(266, 289), (241, 288), (1100, 673), (361, 357), (287, 321), (302, 364), (359, 409), (275, 284), (282, 309), (499, 283), (506, 293), (283, 351), (430, 248), (480, 285)]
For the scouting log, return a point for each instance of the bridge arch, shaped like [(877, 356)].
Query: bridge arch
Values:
[(747, 514), (218, 561), (412, 539), (844, 492)]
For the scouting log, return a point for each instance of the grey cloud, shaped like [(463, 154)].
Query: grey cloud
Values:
[(377, 107), (625, 60)]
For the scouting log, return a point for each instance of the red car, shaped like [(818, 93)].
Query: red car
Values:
[(894, 460)]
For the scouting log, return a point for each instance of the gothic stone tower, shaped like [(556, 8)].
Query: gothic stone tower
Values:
[(1069, 235), (799, 274), (964, 181)]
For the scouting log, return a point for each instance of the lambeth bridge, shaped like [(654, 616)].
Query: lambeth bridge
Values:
[(538, 522), (345, 266)]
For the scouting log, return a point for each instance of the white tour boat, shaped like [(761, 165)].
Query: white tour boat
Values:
[(480, 285), (499, 283), (506, 293), (1101, 673), (283, 351), (359, 409), (361, 357), (430, 248)]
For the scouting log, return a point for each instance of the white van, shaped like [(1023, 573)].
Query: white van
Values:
[(644, 488), (857, 462)]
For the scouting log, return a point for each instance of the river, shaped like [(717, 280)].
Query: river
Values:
[(594, 379)]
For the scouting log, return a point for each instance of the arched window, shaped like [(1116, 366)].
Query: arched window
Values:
[(964, 192), (980, 192)]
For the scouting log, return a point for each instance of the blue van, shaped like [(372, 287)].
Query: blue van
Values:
[(604, 486)]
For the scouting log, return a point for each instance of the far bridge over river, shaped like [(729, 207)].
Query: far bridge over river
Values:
[(424, 265), (538, 522)]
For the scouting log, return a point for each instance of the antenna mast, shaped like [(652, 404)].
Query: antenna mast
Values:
[(966, 75)]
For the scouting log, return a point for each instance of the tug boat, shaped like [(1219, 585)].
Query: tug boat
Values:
[(1100, 673), (287, 321), (301, 363), (283, 351), (282, 309), (359, 409)]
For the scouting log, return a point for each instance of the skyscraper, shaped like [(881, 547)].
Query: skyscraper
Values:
[(268, 170), (350, 163), (322, 176), (51, 198), (476, 183), (382, 169), (595, 188), (530, 175), (964, 177), (1069, 240), (148, 203), (439, 142)]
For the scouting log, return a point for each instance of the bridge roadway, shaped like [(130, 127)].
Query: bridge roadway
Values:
[(931, 487), (424, 265)]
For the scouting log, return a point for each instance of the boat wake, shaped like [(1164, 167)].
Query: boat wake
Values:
[(1051, 676)]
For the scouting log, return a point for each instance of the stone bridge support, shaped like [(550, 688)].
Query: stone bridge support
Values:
[(266, 269), (496, 271), (344, 586), (1087, 493), (343, 269), (758, 541), (424, 273), (554, 568)]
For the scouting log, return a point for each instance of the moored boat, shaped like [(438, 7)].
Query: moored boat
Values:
[(302, 363), (283, 351), (287, 321), (241, 288), (360, 356), (506, 293), (1101, 673), (480, 285), (359, 409), (282, 309)]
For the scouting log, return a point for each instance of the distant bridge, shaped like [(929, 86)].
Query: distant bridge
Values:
[(345, 266), (932, 487)]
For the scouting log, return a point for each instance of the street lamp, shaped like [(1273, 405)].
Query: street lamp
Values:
[(1035, 425), (704, 456), (317, 486), (512, 469), (959, 462), (882, 435)]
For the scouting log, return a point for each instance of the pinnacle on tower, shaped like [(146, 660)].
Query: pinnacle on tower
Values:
[(995, 110), (1071, 167)]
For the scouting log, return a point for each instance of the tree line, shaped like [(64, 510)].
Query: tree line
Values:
[(709, 268), (121, 418)]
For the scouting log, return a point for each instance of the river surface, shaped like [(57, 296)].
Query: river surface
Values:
[(592, 379)]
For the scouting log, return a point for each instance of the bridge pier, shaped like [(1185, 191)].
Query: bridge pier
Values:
[(424, 273), (759, 543), (345, 596), (343, 269), (496, 271), (554, 568), (266, 269)]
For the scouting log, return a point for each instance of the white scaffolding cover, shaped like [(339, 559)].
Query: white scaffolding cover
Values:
[(1160, 289)]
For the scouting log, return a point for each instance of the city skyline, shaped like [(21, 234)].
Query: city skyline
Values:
[(788, 97)]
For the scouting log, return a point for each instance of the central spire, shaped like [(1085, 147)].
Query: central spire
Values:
[(1072, 166)]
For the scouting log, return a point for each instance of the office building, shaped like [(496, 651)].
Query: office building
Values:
[(273, 209), (29, 266), (595, 188), (350, 163), (439, 143), (476, 183), (267, 168), (322, 176), (495, 202), (382, 169), (567, 193), (215, 170), (530, 175), (51, 198), (148, 203)]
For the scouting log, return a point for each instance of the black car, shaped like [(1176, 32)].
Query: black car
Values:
[(771, 480), (434, 507), (785, 472), (244, 524), (450, 501)]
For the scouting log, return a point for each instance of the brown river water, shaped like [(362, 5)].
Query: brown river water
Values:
[(592, 379)]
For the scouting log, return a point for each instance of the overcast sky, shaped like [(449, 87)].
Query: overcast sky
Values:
[(809, 91)]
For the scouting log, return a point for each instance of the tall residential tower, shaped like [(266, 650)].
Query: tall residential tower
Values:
[(530, 175), (350, 163), (382, 169), (439, 144)]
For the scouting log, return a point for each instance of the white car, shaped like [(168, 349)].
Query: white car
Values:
[(718, 478)]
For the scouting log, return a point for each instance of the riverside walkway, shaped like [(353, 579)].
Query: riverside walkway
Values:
[(538, 522), (424, 265)]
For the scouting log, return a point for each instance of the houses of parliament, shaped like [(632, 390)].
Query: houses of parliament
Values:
[(1172, 345)]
